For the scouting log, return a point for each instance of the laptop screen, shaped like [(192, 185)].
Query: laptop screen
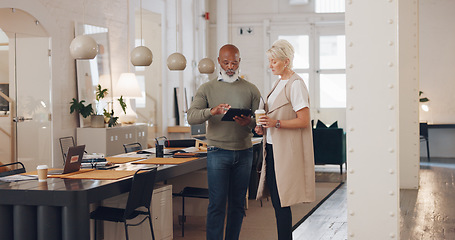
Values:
[(199, 130)]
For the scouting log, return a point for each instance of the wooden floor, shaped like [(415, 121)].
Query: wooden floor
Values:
[(427, 213)]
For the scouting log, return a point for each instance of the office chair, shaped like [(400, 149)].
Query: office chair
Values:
[(424, 137), (65, 143), (192, 192), (132, 147), (140, 196), (8, 172)]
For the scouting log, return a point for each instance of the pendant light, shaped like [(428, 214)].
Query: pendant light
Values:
[(142, 55), (206, 65), (83, 46), (176, 61)]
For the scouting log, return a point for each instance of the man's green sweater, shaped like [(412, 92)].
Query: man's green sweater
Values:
[(225, 134)]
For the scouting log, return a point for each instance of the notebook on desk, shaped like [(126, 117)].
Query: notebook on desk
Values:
[(73, 161)]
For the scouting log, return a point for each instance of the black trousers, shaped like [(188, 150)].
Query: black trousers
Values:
[(283, 214)]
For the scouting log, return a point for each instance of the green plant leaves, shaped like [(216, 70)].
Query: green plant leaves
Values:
[(122, 104), (79, 107)]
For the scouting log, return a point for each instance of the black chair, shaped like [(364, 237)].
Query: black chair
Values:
[(65, 143), (140, 196), (192, 192), (424, 137), (132, 147), (20, 168)]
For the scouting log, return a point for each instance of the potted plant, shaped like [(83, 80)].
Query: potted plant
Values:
[(97, 118), (111, 119)]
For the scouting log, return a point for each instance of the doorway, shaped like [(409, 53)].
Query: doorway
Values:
[(25, 117)]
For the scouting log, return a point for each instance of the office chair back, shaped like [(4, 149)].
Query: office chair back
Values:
[(20, 168), (424, 130), (65, 144), (424, 137), (141, 190), (132, 147)]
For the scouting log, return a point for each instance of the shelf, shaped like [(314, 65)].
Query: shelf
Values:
[(179, 129)]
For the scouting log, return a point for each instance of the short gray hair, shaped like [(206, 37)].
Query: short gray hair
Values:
[(281, 49)]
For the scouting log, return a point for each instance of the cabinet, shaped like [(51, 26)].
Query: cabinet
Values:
[(109, 141), (162, 212)]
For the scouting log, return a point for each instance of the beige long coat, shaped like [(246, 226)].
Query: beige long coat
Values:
[(292, 153)]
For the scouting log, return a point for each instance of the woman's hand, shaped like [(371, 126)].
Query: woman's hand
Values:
[(267, 122)]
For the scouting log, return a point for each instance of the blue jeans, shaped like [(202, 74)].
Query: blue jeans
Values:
[(228, 175)]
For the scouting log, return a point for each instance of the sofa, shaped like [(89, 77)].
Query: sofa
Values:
[(329, 145)]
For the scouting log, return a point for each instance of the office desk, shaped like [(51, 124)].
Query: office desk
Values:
[(60, 208)]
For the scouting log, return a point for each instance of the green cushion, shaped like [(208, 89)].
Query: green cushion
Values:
[(334, 125), (320, 124)]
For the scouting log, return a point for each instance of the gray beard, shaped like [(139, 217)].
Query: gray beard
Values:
[(227, 78)]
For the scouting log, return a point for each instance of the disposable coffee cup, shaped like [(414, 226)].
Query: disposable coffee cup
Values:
[(258, 113), (42, 173)]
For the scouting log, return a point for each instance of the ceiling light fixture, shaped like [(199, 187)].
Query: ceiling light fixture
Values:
[(176, 61), (83, 46), (206, 65), (142, 55)]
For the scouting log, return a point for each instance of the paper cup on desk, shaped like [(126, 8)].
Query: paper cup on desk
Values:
[(258, 113), (42, 185), (42, 173)]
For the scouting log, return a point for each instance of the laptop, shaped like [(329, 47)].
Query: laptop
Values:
[(199, 131), (72, 162)]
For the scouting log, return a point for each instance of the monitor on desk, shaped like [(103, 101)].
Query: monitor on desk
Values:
[(198, 131)]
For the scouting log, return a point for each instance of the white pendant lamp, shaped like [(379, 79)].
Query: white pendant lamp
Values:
[(206, 65), (176, 61), (83, 47), (142, 55)]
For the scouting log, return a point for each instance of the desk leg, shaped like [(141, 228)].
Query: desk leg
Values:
[(6, 222), (49, 223), (24, 222), (76, 221)]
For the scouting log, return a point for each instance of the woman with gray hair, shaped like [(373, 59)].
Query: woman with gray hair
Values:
[(287, 173)]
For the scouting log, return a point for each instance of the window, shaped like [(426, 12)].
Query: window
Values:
[(332, 90), (301, 49), (329, 6), (332, 52)]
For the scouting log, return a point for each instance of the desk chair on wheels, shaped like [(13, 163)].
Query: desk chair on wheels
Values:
[(132, 147), (140, 196)]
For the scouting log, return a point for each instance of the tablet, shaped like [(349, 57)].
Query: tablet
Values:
[(232, 112)]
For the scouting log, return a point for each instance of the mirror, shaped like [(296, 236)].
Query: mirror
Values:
[(95, 71)]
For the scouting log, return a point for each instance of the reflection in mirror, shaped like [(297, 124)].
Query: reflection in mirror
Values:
[(95, 71)]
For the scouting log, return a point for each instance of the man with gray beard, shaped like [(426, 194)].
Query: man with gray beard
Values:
[(229, 152)]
